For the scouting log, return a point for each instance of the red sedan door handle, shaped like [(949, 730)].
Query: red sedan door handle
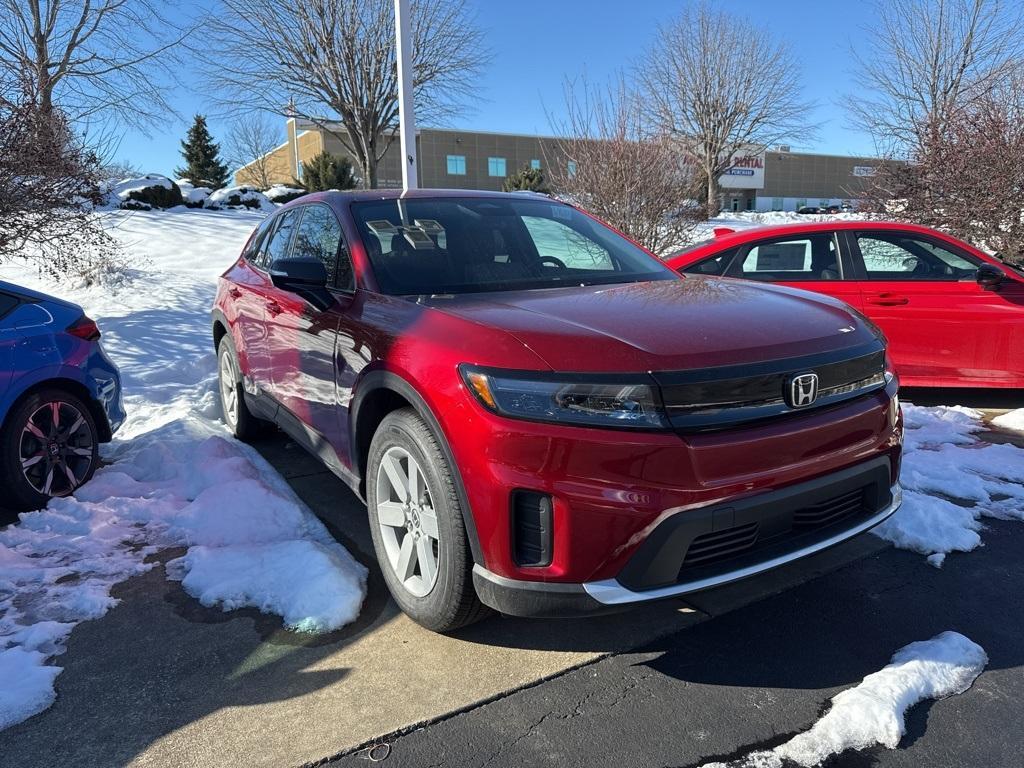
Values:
[(274, 308), (887, 300)]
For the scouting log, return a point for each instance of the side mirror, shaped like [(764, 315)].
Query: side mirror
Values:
[(989, 277), (301, 274)]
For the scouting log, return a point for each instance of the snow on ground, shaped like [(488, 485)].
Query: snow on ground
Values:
[(1011, 420), (872, 712), (175, 478), (951, 480)]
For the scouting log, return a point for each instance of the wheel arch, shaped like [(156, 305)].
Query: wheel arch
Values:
[(380, 393), (76, 388)]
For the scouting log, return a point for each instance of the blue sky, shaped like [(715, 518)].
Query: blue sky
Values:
[(537, 43)]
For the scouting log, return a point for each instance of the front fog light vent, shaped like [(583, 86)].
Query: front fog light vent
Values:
[(531, 528)]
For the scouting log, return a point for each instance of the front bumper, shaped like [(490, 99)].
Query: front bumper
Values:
[(553, 599)]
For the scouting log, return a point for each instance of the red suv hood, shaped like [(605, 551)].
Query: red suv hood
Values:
[(664, 325)]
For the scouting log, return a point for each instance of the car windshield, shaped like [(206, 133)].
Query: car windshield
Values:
[(465, 245)]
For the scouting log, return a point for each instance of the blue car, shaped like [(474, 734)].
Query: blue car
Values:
[(60, 397)]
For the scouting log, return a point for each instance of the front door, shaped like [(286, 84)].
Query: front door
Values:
[(811, 261), (944, 329), (303, 339)]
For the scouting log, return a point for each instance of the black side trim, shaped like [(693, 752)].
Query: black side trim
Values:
[(660, 560), (312, 441), (537, 599), (387, 380)]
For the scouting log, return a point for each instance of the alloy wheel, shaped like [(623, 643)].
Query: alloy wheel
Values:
[(407, 521), (56, 450), (229, 387)]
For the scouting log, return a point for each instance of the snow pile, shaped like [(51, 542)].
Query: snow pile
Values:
[(951, 479), (144, 193), (239, 197), (872, 713), (1012, 420), (193, 196), (175, 477), (282, 193)]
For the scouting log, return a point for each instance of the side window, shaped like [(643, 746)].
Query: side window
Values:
[(899, 257), (716, 265), (319, 236), (570, 247), (259, 240), (813, 257), (7, 303), (277, 245)]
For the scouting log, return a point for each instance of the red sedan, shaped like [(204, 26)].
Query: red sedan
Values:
[(954, 315)]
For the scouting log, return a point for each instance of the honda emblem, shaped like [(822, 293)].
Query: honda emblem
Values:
[(803, 390)]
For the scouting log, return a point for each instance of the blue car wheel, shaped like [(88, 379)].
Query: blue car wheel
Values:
[(49, 446)]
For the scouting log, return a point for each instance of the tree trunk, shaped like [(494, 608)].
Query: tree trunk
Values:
[(713, 207)]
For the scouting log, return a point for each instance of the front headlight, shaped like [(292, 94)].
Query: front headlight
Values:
[(586, 402)]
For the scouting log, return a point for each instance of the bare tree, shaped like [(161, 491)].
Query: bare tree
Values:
[(720, 85), (612, 165), (926, 62), (49, 186), (338, 57), (968, 179), (97, 60), (249, 145)]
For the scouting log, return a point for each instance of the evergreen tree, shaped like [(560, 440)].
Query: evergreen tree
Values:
[(326, 171), (528, 179), (203, 166)]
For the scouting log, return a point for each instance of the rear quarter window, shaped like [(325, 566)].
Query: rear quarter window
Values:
[(7, 303)]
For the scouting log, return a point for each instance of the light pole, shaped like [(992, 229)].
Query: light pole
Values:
[(406, 116)]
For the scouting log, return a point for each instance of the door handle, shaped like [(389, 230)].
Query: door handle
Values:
[(234, 293), (274, 308), (887, 300)]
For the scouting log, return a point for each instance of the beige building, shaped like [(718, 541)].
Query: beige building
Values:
[(450, 159), (761, 180)]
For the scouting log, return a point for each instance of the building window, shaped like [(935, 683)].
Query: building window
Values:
[(572, 168), (496, 167), (535, 164), (776, 203), (456, 165)]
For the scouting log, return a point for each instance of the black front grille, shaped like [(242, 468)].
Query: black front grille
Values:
[(717, 398), (715, 546), (722, 545), (830, 511)]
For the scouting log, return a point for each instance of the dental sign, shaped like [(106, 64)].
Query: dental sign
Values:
[(745, 172)]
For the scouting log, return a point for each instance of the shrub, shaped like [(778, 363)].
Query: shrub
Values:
[(157, 196), (326, 171), (528, 179)]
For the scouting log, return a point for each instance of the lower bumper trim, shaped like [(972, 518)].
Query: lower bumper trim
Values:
[(611, 592)]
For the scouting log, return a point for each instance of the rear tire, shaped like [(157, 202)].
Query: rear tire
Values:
[(236, 414), (421, 542), (49, 447)]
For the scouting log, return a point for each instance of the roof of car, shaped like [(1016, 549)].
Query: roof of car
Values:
[(361, 195)]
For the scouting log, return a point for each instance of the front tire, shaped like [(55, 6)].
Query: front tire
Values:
[(417, 525), (49, 447)]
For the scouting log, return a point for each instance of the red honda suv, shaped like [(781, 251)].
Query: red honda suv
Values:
[(541, 416)]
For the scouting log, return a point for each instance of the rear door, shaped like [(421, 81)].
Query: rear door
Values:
[(943, 328), (303, 340), (9, 338), (256, 300)]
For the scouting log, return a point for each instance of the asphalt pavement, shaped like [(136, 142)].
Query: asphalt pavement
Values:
[(753, 677)]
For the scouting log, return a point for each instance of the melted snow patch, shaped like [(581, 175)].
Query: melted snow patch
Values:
[(872, 713), (951, 480)]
